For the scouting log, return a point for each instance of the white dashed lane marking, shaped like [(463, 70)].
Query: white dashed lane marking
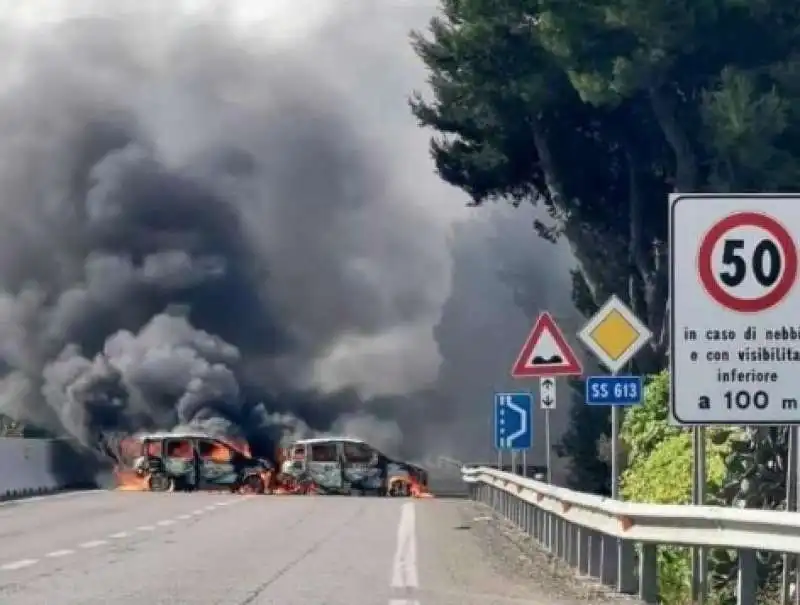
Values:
[(60, 553), (23, 563), (19, 564)]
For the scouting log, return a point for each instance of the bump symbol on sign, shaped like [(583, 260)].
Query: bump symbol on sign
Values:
[(546, 352)]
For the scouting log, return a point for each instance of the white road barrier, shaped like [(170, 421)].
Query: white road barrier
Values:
[(40, 466), (603, 538)]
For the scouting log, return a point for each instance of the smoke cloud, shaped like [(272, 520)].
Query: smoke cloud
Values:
[(221, 214), (209, 216)]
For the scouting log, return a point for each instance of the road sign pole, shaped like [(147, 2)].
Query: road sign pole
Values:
[(548, 390), (791, 505), (699, 559), (547, 446), (615, 452), (524, 463), (795, 430), (499, 460)]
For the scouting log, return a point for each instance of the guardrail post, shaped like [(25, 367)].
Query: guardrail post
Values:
[(541, 527), (582, 547), (557, 546), (595, 555), (530, 516), (610, 564), (626, 557), (648, 574), (526, 517), (748, 579), (569, 554)]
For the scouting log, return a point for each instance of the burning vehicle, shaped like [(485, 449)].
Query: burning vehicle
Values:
[(346, 466), (187, 461)]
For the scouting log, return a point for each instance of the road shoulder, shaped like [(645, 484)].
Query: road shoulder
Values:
[(477, 557)]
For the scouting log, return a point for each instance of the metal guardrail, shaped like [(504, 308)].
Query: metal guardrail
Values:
[(603, 538)]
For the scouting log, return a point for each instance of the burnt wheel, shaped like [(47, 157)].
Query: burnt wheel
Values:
[(399, 489), (159, 482), (252, 484)]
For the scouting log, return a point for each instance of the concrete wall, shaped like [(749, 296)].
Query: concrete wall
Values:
[(41, 466)]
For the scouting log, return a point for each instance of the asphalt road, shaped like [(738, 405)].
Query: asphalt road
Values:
[(95, 548)]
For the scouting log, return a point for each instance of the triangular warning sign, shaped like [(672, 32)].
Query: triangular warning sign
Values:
[(546, 352)]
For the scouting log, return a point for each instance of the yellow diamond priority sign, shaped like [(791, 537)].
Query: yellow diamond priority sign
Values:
[(614, 334)]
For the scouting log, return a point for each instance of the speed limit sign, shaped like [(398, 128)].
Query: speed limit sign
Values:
[(747, 262), (735, 331)]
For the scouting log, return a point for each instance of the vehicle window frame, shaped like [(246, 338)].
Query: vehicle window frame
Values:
[(215, 444), (368, 451), (166, 446), (324, 444)]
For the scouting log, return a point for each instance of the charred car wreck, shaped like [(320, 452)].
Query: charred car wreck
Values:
[(162, 462), (199, 461), (346, 466)]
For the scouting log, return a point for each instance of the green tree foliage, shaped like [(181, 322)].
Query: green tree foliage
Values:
[(660, 471), (599, 109)]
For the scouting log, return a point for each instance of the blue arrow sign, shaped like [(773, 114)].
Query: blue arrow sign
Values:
[(613, 390), (513, 421)]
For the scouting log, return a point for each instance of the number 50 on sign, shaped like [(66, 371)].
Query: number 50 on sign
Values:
[(735, 322)]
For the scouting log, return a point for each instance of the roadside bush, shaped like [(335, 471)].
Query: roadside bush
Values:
[(660, 472)]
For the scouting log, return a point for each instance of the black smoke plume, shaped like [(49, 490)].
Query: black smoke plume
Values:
[(226, 216), (200, 225)]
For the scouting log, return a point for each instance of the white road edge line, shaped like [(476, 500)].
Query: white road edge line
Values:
[(60, 553), (404, 566), (45, 497), (19, 564)]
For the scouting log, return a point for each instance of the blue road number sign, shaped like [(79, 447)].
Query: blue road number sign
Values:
[(513, 415), (613, 390)]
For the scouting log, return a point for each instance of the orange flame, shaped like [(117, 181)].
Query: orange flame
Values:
[(130, 481), (240, 446), (418, 490), (413, 487)]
